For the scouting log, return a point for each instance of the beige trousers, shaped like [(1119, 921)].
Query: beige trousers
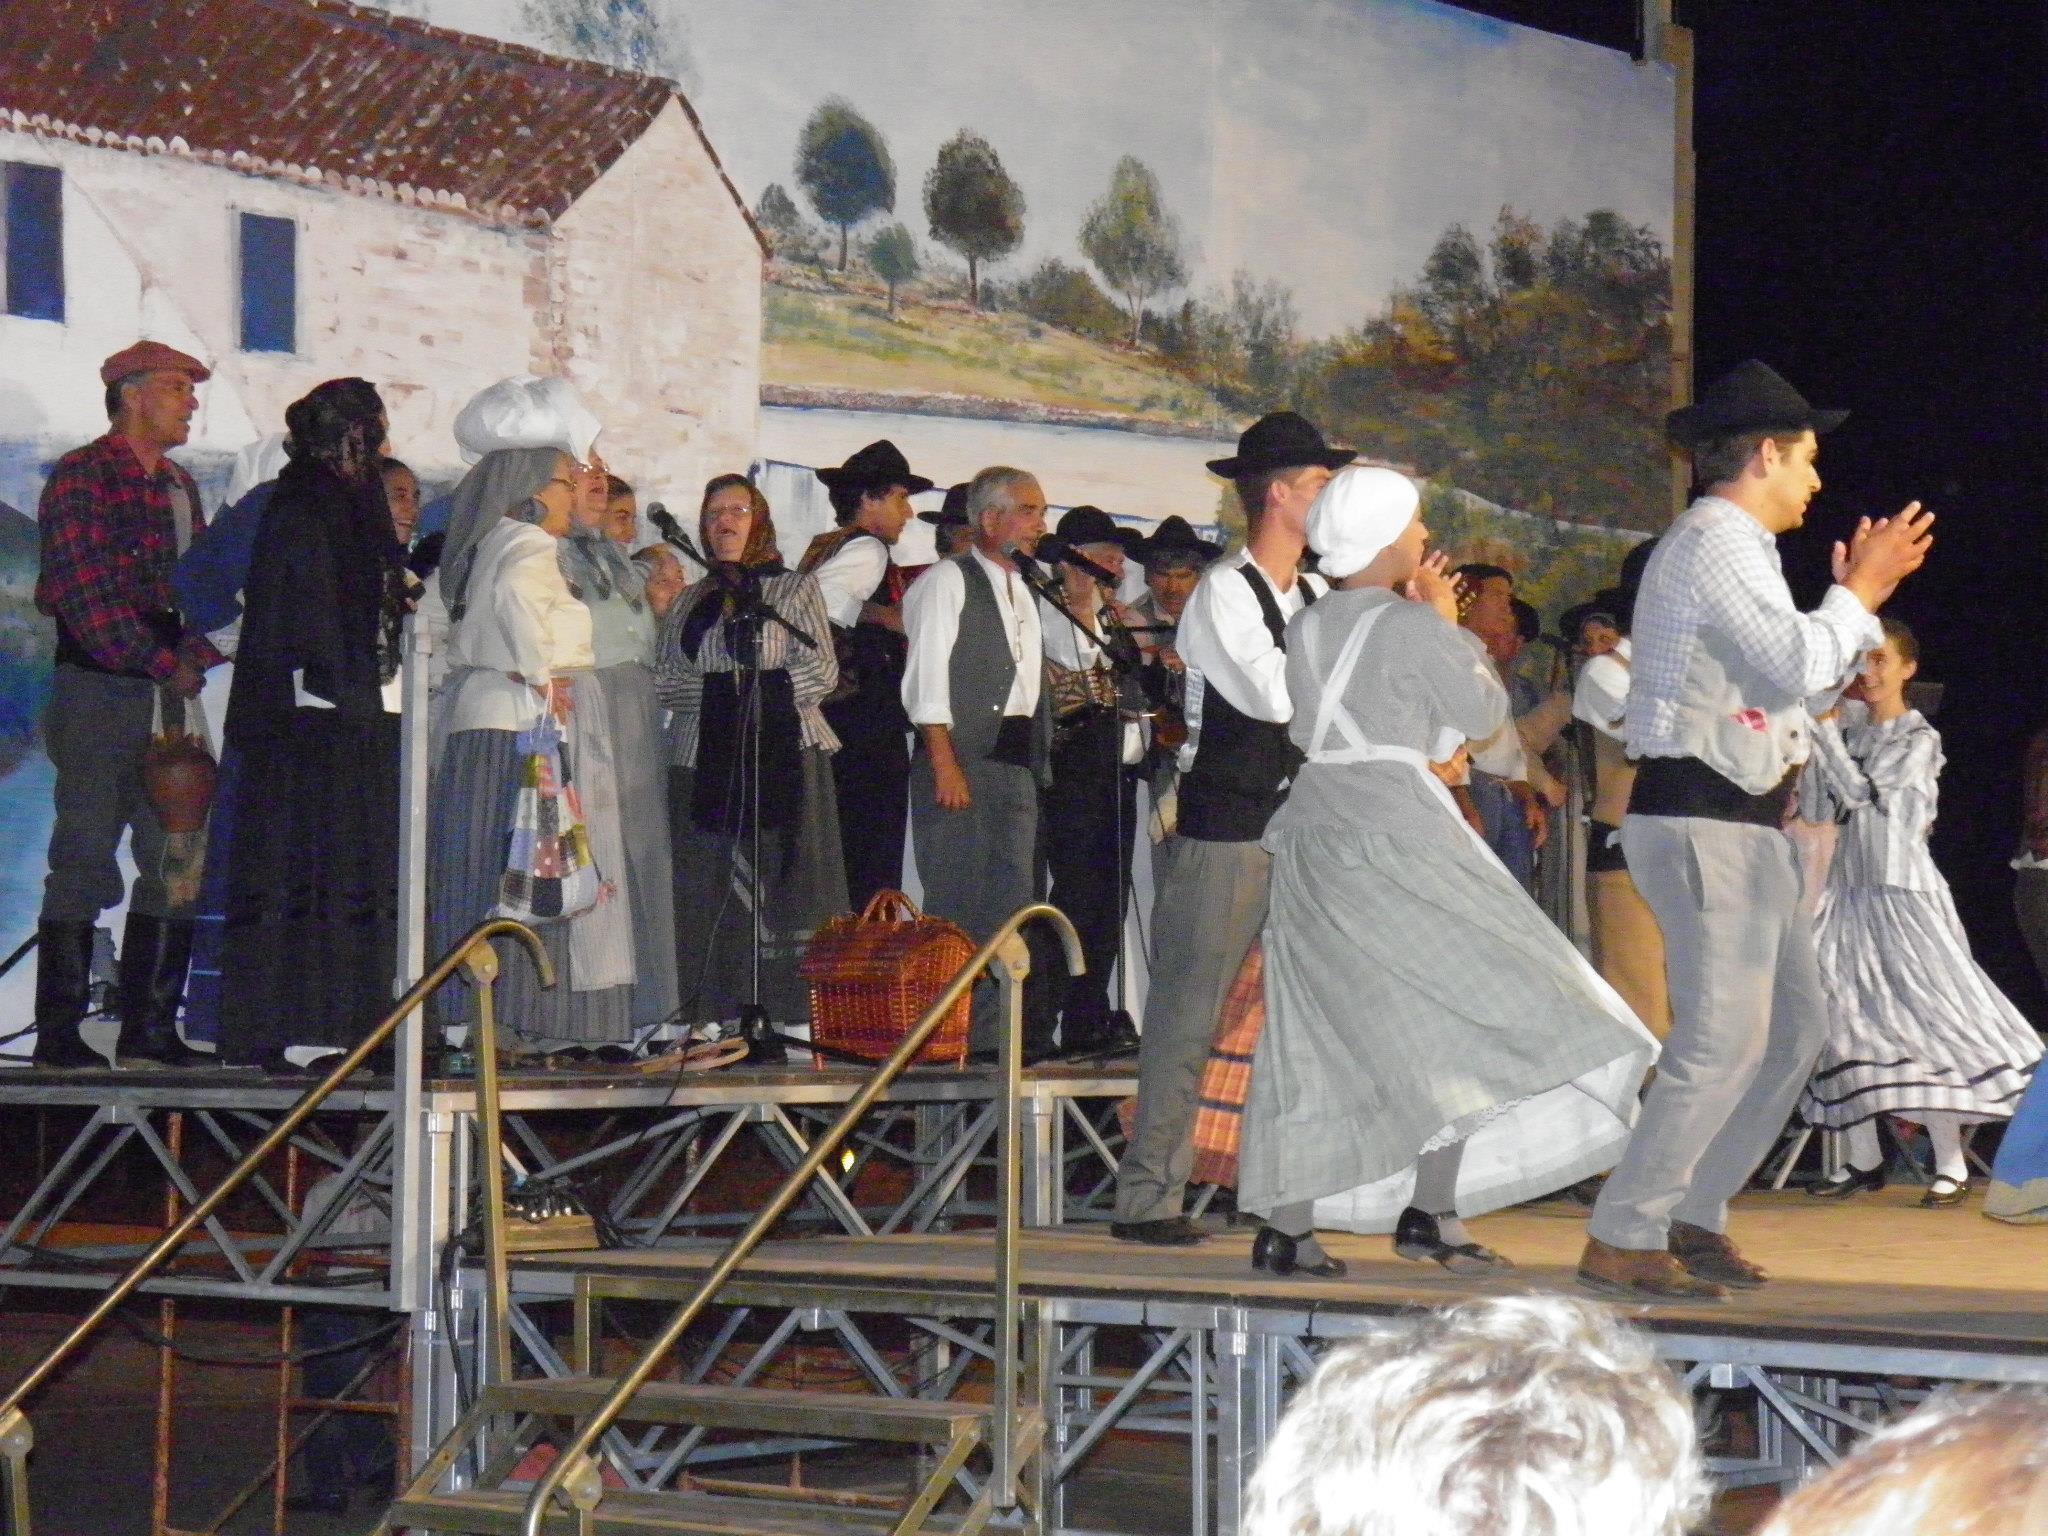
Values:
[(1628, 948)]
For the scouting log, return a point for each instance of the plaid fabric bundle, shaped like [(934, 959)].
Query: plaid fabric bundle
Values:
[(550, 874), (1227, 1079)]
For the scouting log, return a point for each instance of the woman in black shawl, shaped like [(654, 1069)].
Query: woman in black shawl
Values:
[(703, 672), (310, 943)]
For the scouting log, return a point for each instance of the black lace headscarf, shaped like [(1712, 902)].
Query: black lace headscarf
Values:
[(334, 439)]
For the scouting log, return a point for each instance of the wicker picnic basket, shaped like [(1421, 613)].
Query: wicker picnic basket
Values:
[(873, 976)]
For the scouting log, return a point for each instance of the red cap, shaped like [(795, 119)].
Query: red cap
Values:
[(152, 357)]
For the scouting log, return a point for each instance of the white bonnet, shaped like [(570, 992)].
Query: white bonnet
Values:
[(526, 411), (1359, 513)]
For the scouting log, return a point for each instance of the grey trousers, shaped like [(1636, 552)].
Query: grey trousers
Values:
[(1208, 906), (1748, 1018), (2030, 906), (95, 731), (978, 865)]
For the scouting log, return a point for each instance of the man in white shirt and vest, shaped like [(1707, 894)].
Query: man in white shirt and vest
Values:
[(1723, 671), (974, 689), (863, 589), (1210, 875)]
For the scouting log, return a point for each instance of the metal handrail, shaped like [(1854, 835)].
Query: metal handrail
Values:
[(16, 1437), (1005, 947)]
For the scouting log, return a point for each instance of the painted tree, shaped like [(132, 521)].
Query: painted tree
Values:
[(626, 34), (1133, 241), (843, 165), (973, 205), (893, 255), (794, 237)]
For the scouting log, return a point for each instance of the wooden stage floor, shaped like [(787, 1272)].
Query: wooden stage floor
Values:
[(1875, 1271)]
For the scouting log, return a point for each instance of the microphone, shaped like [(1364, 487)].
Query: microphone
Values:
[(672, 532), (1057, 549)]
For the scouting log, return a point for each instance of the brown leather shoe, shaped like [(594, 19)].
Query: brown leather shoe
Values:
[(1710, 1256), (1641, 1274)]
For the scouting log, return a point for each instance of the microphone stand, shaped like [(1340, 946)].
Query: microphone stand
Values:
[(1116, 642)]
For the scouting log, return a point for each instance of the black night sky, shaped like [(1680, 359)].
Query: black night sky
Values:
[(1871, 222)]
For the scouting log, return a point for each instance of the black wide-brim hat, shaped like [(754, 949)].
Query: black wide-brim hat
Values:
[(1750, 397), (1175, 538), (1091, 525), (953, 511), (1283, 440), (879, 465)]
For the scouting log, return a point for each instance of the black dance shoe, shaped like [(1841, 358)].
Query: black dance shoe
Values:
[(1417, 1236), (1274, 1252), (1849, 1181), (1945, 1191)]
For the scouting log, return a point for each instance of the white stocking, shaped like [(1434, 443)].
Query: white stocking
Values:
[(1945, 1131), (1864, 1154)]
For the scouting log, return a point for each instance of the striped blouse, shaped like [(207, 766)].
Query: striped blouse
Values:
[(813, 670), (1879, 780)]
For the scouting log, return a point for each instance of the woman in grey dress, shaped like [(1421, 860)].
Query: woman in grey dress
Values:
[(1433, 1046), (612, 586), (713, 799)]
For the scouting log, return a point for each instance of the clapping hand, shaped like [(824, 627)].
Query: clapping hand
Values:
[(1881, 554), (1434, 584)]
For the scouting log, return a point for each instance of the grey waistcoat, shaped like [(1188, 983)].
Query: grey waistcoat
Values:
[(980, 671)]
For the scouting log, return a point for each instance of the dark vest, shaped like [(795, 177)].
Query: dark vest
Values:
[(1242, 766), (869, 699), (980, 671)]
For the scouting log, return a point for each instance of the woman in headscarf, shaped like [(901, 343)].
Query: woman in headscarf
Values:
[(601, 572), (309, 944), (749, 605), (1433, 1046), (519, 648)]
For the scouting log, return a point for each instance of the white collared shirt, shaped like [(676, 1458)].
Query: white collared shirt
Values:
[(850, 578), (1600, 697), (1717, 569), (931, 618), (1225, 645)]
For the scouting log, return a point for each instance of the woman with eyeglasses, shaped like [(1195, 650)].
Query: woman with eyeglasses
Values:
[(520, 649)]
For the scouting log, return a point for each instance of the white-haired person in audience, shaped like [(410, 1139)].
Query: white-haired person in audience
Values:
[(1964, 1464), (1514, 1416)]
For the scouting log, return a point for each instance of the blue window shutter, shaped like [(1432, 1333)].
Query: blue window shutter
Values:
[(270, 284), (35, 242)]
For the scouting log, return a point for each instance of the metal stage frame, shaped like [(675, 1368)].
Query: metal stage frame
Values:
[(1211, 1374)]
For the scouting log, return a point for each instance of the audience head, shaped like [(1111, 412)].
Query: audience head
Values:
[(1281, 463), (1006, 510), (734, 524), (1516, 1416), (1366, 523), (666, 578), (1964, 1464), (402, 495), (621, 512), (872, 490), (152, 393)]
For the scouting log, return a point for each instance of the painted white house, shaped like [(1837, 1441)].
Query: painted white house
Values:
[(296, 190)]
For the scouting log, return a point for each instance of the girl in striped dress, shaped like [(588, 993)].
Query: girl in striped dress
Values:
[(1916, 1027)]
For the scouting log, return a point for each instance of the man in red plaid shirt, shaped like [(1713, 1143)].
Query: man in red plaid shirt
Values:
[(114, 517)]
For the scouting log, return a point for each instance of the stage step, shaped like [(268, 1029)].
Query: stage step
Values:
[(642, 1514), (774, 1410)]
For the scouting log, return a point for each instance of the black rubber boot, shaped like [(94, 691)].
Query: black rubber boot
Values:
[(63, 996), (155, 952)]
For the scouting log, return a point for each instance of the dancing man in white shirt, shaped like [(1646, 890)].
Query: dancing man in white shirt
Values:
[(1723, 668), (973, 687), (1210, 875)]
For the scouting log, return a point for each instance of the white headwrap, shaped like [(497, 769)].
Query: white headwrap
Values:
[(1359, 513), (525, 411)]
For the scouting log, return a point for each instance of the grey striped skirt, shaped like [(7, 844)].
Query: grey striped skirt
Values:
[(475, 784), (641, 756)]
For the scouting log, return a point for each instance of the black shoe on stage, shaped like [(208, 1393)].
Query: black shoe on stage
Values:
[(155, 954), (1166, 1232), (1275, 1252), (1945, 1191), (1848, 1182), (1417, 1236)]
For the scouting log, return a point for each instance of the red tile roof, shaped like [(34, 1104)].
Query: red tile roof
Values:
[(315, 90)]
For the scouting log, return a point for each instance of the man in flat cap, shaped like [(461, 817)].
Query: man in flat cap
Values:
[(1723, 673), (114, 517), (1211, 875), (863, 590)]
